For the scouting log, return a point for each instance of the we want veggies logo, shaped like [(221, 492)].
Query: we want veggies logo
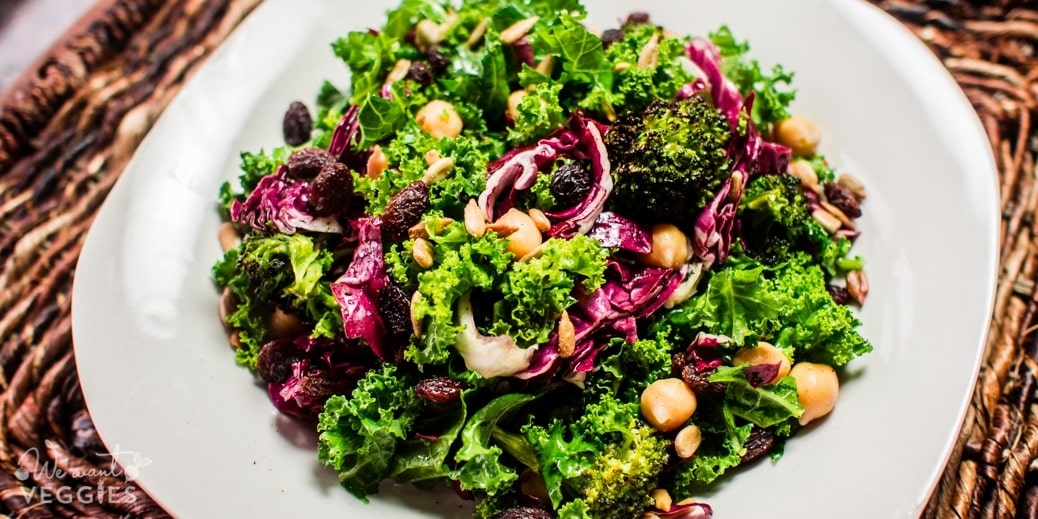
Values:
[(85, 485)]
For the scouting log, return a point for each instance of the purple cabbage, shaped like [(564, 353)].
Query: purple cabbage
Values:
[(346, 136), (712, 239), (724, 92), (751, 153), (686, 511), (629, 293), (283, 204), (704, 351), (690, 89), (517, 171), (524, 52), (319, 369), (357, 290), (580, 218), (617, 232)]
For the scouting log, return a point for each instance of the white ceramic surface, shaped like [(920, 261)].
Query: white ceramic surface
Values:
[(161, 382)]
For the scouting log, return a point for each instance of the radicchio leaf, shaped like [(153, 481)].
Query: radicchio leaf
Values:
[(346, 136), (629, 293), (687, 511), (617, 232), (712, 240), (357, 290), (282, 204), (319, 368)]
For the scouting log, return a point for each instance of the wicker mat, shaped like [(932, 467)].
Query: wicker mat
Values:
[(69, 126)]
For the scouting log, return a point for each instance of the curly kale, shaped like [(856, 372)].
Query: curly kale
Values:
[(668, 160), (280, 271), (605, 462), (776, 224)]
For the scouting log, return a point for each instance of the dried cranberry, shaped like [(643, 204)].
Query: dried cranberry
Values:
[(570, 184), (297, 124), (306, 163), (524, 512), (274, 363), (839, 294), (760, 442), (612, 36), (332, 189), (405, 209), (395, 308), (843, 199), (439, 390), (421, 72)]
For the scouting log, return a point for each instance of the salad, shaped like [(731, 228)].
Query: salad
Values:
[(568, 273)]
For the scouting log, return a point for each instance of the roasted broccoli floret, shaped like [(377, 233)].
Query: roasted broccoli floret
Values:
[(606, 462), (776, 221), (668, 160)]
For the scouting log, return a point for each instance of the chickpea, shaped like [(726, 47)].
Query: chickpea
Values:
[(817, 389), (668, 403), (377, 163), (513, 103), (802, 169), (525, 238), (799, 133), (440, 119), (686, 443), (670, 247), (764, 353)]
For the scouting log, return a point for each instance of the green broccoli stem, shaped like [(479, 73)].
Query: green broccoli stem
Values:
[(849, 264)]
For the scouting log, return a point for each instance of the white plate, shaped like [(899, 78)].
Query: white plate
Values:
[(162, 385)]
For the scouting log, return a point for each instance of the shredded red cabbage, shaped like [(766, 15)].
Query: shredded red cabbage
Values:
[(283, 204), (346, 136), (617, 232), (687, 511), (631, 292), (358, 288), (325, 367)]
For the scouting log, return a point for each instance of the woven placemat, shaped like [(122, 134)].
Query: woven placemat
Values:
[(68, 127)]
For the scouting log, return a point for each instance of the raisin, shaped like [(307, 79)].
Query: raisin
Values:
[(438, 61), (421, 72), (395, 308), (405, 209), (839, 294), (843, 199), (439, 390), (306, 163), (332, 189), (524, 512), (699, 381), (274, 363), (637, 18), (611, 36), (297, 124), (320, 384), (760, 442), (570, 184)]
